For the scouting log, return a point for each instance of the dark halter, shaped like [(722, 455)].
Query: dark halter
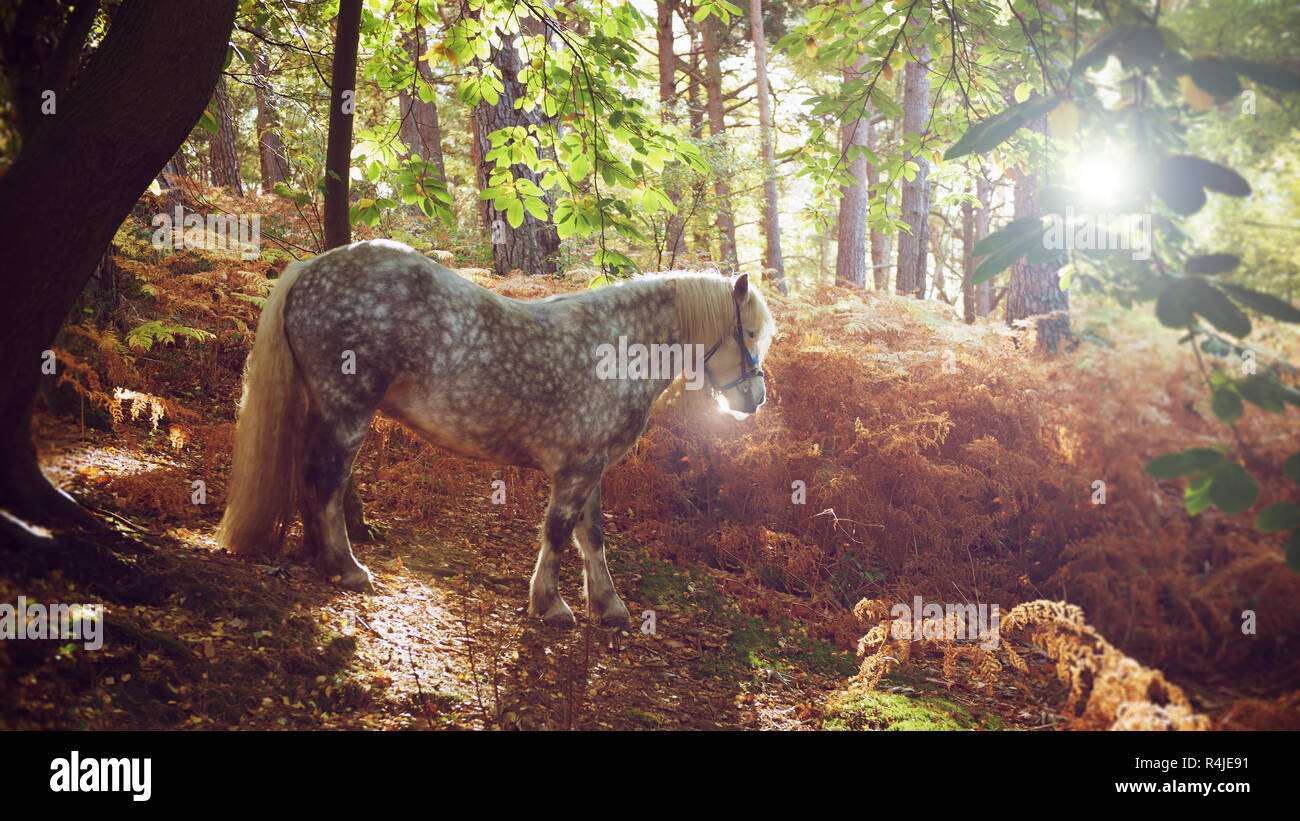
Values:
[(748, 362)]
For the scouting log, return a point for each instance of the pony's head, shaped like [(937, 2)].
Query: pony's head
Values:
[(734, 363)]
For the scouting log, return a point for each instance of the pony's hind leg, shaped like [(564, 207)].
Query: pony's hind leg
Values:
[(331, 450), (602, 601), (569, 491)]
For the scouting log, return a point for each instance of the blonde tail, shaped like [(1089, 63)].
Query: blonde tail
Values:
[(262, 496)]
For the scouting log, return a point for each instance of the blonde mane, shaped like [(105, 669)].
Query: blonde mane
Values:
[(706, 311)]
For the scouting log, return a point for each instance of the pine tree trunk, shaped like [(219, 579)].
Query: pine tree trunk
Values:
[(532, 245), (1033, 290), (983, 193), (712, 29), (851, 224), (912, 246), (270, 145), (674, 231), (880, 241), (222, 153), (126, 114), (773, 264), (968, 265), (420, 131)]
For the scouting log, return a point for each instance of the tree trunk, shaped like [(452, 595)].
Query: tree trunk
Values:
[(674, 231), (126, 114), (421, 132), (1034, 290), (880, 241), (984, 193), (968, 265), (851, 224), (270, 145), (222, 153), (695, 111), (912, 246), (338, 145), (772, 261), (530, 247), (712, 28)]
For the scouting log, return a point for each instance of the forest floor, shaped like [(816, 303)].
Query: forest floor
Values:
[(198, 638)]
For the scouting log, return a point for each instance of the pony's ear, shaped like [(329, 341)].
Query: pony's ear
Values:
[(741, 288)]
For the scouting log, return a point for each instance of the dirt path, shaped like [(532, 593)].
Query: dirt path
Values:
[(202, 639)]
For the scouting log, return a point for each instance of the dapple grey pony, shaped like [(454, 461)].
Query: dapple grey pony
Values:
[(378, 326)]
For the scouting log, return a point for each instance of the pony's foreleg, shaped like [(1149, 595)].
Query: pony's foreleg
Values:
[(568, 494), (602, 601), (329, 458)]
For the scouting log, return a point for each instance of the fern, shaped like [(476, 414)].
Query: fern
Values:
[(145, 336)]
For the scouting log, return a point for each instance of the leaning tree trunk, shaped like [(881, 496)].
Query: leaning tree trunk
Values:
[(912, 246), (531, 246), (1034, 290), (222, 153), (851, 224), (421, 132), (111, 136), (270, 145), (712, 28), (771, 219)]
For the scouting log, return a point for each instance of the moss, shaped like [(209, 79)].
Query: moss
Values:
[(859, 708)]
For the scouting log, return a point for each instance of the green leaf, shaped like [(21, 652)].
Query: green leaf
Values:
[(1263, 303), (1265, 74), (1259, 390), (1214, 76), (1233, 490), (1197, 496), (1226, 406), (1293, 552), (1291, 467), (209, 122), (1174, 465), (1172, 308), (1277, 517), (1212, 264), (1210, 302), (987, 134)]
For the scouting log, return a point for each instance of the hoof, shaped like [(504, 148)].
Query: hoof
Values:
[(357, 580), (616, 616), (560, 616)]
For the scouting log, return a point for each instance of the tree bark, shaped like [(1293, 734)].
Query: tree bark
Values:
[(532, 245), (880, 241), (338, 146), (222, 153), (912, 246), (421, 132), (712, 30), (772, 261), (984, 193), (110, 137), (674, 231), (1034, 290), (851, 224), (270, 145)]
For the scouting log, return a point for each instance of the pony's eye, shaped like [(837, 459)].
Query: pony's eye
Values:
[(751, 334)]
